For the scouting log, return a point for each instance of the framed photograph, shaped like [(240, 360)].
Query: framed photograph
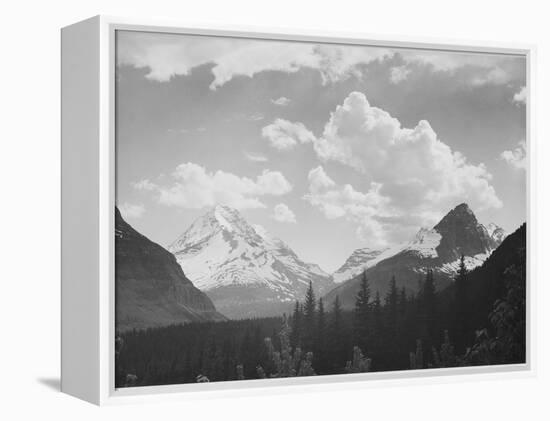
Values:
[(245, 210)]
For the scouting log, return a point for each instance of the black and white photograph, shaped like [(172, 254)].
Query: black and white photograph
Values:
[(289, 209), (263, 211)]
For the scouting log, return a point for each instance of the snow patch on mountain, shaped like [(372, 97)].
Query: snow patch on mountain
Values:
[(495, 232), (359, 260), (221, 249), (471, 262), (425, 243)]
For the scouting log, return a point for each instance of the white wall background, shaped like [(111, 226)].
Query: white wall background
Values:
[(29, 210)]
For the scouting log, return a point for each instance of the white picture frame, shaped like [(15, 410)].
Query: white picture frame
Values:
[(88, 198)]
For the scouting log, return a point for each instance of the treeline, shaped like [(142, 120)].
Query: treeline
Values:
[(478, 320), (181, 353)]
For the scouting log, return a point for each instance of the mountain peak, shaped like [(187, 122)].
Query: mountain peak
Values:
[(461, 215), (224, 209), (463, 207), (496, 233), (226, 216), (461, 233), (246, 271)]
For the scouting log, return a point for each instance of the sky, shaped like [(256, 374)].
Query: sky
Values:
[(329, 147)]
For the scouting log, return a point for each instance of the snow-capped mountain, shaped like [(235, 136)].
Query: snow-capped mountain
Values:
[(495, 232), (244, 270), (440, 248), (358, 261)]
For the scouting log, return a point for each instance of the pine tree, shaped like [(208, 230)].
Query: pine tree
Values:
[(391, 308), (296, 331), (420, 287), (363, 296), (309, 303), (461, 325), (336, 320), (320, 341), (376, 337), (429, 306), (336, 351), (416, 359), (309, 320), (402, 302), (362, 313)]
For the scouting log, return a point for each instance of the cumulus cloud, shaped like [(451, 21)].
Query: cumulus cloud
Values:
[(517, 157), (344, 201), (193, 187), (253, 157), (399, 74), (168, 55), (319, 180), (131, 211), (521, 96), (412, 176), (284, 135), (282, 213), (281, 101)]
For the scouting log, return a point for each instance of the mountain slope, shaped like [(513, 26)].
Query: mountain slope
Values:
[(488, 283), (150, 288), (438, 248), (358, 261), (245, 271)]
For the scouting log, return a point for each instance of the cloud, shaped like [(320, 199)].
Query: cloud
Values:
[(272, 183), (412, 177), (255, 157), (479, 68), (131, 211), (282, 101), (284, 135), (344, 201), (495, 76), (192, 187), (517, 157), (282, 213), (144, 184), (338, 62), (521, 96), (399, 74), (169, 55), (450, 61), (255, 117), (319, 180)]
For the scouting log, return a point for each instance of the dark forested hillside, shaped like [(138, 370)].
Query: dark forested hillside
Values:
[(488, 286), (478, 320), (150, 288)]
